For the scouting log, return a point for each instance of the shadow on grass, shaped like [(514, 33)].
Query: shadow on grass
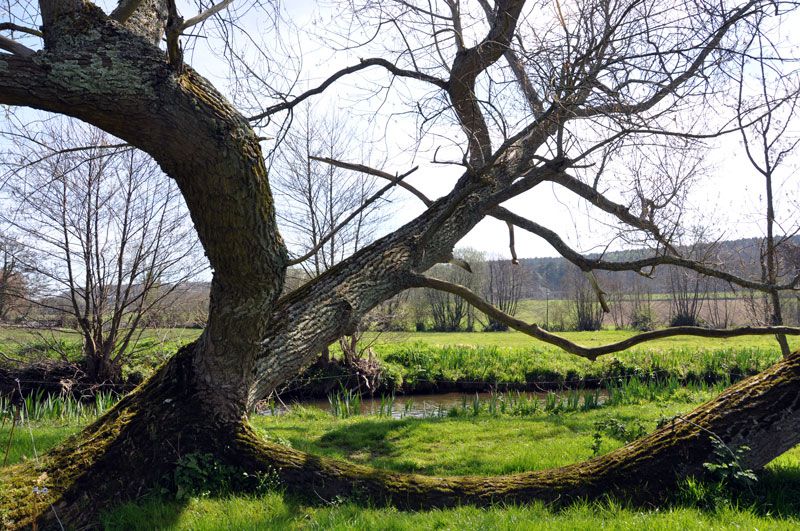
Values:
[(777, 502), (776, 495), (777, 492)]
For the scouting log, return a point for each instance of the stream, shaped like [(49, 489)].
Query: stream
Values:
[(431, 405)]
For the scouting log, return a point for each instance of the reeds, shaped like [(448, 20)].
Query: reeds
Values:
[(40, 406)]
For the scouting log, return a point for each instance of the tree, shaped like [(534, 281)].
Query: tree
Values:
[(318, 198), (524, 99), (640, 314), (687, 292), (329, 212), (13, 284), (767, 141), (447, 310), (105, 233), (503, 289), (588, 311)]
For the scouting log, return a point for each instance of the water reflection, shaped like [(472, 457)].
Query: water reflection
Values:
[(440, 405)]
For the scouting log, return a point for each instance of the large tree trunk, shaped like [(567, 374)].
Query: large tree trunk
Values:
[(134, 448)]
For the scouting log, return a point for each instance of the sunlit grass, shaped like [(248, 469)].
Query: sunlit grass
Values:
[(461, 445), (275, 511)]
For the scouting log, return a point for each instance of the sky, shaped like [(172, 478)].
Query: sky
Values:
[(729, 196)]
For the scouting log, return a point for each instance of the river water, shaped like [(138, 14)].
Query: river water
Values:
[(434, 405)]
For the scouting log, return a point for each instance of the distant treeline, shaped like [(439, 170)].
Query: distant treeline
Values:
[(552, 277)]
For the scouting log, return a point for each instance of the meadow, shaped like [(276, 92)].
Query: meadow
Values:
[(415, 362), (503, 433), (476, 438)]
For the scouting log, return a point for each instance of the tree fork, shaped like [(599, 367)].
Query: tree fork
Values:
[(135, 447)]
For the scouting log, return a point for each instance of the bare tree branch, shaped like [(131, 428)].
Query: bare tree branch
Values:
[(603, 203), (471, 62), (365, 63), (592, 353), (22, 29), (511, 246), (377, 173), (517, 68), (692, 70), (589, 264), (210, 12), (124, 10), (173, 31), (14, 47)]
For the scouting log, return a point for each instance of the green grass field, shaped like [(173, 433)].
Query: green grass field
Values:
[(463, 442), (466, 443), (513, 339), (417, 359)]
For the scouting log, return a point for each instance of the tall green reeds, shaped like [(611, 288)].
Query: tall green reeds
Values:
[(40, 406)]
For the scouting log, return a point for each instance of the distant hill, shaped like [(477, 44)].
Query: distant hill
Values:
[(553, 277)]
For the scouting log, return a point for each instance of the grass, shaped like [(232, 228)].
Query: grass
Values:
[(513, 339), (484, 444), (421, 359), (425, 365), (275, 511), (38, 406), (494, 436), (488, 442), (149, 351), (35, 438)]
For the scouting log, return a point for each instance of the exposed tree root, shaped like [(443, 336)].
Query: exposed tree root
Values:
[(134, 448)]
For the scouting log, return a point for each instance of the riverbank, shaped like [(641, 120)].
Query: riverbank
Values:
[(429, 362), (425, 364), (476, 438)]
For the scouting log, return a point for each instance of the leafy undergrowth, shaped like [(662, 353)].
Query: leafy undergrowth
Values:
[(482, 443), (419, 362)]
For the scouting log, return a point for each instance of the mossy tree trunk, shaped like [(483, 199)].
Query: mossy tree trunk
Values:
[(113, 76)]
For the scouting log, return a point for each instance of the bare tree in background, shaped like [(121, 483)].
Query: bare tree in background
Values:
[(473, 262), (105, 231), (502, 287), (618, 296), (447, 310), (765, 121), (13, 283), (687, 290), (587, 309), (325, 211), (640, 315)]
